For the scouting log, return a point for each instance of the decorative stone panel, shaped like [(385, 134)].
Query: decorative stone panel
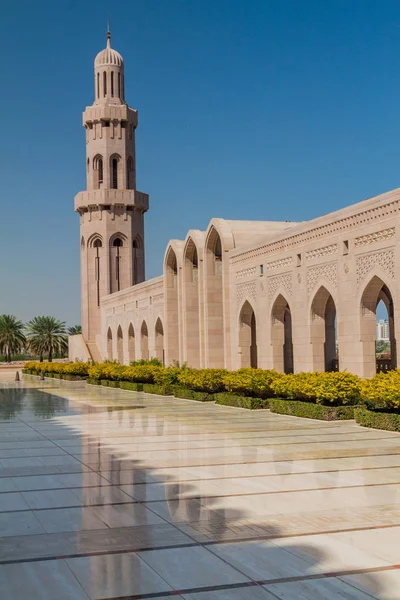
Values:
[(328, 271), (278, 264), (385, 260), (279, 281), (372, 238), (246, 289), (340, 226), (246, 273), (143, 303), (321, 252)]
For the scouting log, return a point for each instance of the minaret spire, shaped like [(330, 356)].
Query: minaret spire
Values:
[(108, 33)]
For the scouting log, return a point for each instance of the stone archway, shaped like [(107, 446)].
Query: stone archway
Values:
[(214, 300), (159, 340), (144, 341), (281, 336), (109, 344), (323, 331), (171, 315), (374, 292), (131, 343), (247, 336), (192, 304), (120, 346)]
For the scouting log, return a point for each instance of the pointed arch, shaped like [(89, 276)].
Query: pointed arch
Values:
[(129, 173), (191, 303), (247, 336), (171, 315), (115, 171), (144, 341), (117, 243), (214, 299), (109, 344), (323, 336), (159, 340), (375, 290), (281, 335), (131, 343), (98, 171), (120, 345)]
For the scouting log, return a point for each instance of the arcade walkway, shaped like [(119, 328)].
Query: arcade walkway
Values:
[(115, 495)]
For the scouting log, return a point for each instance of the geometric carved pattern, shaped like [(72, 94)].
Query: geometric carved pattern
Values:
[(385, 260), (276, 264), (320, 252), (246, 273), (328, 271), (144, 302), (245, 289), (274, 283), (325, 229), (377, 236)]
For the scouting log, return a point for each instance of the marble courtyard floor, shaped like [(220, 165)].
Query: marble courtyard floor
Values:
[(117, 495)]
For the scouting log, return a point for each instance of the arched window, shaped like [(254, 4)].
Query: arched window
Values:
[(119, 85), (114, 173), (112, 83), (137, 242), (129, 170), (100, 168), (97, 244), (104, 83), (98, 85), (117, 244)]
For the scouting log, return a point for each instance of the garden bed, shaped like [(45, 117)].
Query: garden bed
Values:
[(377, 420), (309, 410)]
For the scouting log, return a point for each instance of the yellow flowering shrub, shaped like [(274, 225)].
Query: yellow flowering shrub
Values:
[(202, 380), (322, 388), (383, 390), (72, 368), (250, 382), (167, 377)]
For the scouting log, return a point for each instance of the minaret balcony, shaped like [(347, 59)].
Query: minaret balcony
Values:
[(120, 112), (109, 197)]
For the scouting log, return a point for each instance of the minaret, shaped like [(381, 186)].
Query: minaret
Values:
[(111, 209)]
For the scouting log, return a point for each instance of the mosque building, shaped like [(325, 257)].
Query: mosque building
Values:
[(266, 294)]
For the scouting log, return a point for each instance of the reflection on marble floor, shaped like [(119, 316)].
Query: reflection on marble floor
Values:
[(106, 494)]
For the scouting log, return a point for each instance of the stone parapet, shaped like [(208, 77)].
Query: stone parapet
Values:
[(110, 197), (108, 111)]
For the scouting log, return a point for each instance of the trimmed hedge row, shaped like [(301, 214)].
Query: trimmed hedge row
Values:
[(226, 399), (193, 395), (77, 369), (309, 410), (377, 420)]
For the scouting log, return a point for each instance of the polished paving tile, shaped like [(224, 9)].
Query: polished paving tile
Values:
[(48, 580), (111, 494), (191, 567), (116, 575)]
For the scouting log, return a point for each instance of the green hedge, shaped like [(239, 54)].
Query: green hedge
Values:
[(377, 420), (160, 390), (93, 381), (112, 384), (310, 410), (226, 399), (132, 387), (193, 395)]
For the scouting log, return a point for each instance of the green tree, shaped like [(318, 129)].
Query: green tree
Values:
[(46, 335), (12, 338), (75, 330)]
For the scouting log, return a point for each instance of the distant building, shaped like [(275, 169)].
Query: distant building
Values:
[(382, 330)]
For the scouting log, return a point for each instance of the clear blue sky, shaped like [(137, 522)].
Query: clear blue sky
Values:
[(249, 109)]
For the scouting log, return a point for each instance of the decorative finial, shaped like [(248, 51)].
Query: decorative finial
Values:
[(108, 33)]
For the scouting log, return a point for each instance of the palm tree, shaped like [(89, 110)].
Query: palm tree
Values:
[(75, 330), (46, 335), (12, 337)]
